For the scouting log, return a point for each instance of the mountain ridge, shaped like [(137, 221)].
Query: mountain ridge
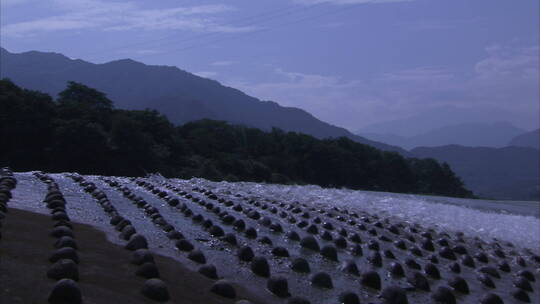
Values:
[(181, 95)]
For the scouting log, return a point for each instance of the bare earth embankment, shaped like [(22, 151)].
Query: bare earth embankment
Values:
[(105, 273)]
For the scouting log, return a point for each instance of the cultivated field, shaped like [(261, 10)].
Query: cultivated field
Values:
[(196, 241)]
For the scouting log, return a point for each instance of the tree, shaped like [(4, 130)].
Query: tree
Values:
[(82, 95), (80, 102), (26, 127), (81, 146)]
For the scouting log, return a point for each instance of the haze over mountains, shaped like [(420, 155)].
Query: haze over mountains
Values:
[(472, 134), (445, 116), (180, 95), (500, 173)]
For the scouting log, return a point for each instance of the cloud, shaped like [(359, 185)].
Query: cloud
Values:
[(332, 25), (506, 78), (350, 103), (12, 2), (509, 62), (312, 92), (322, 95), (440, 24), (509, 75), (206, 74), (297, 80), (45, 25), (124, 16), (139, 52), (342, 2), (222, 63), (419, 74)]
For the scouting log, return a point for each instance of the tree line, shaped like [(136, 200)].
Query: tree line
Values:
[(81, 131)]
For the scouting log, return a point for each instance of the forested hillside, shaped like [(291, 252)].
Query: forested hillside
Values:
[(82, 131)]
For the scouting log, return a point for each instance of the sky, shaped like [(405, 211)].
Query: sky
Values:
[(352, 63)]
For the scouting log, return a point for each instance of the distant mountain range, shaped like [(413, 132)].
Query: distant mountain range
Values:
[(502, 173), (494, 160), (466, 134), (529, 139), (180, 95)]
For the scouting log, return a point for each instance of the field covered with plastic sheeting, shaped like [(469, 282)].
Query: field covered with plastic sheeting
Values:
[(289, 244)]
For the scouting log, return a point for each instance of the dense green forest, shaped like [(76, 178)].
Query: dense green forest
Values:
[(82, 131)]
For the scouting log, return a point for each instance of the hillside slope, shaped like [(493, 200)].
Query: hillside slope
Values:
[(182, 96), (529, 139)]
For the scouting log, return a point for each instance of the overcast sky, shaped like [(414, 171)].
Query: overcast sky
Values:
[(348, 62)]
